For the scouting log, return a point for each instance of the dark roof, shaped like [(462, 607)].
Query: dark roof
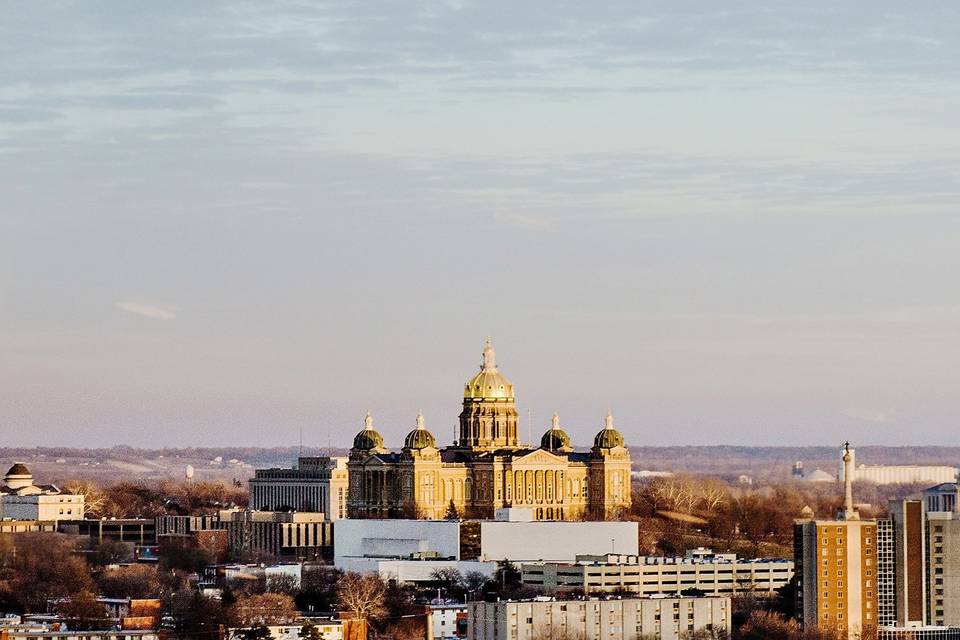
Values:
[(18, 469)]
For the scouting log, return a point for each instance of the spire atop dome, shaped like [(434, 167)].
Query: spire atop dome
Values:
[(489, 357), (555, 421), (368, 422), (420, 420), (608, 421)]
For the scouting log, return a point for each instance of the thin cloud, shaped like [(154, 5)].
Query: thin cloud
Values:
[(146, 309), (868, 415)]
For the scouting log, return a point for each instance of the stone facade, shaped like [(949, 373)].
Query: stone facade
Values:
[(488, 468), (21, 499)]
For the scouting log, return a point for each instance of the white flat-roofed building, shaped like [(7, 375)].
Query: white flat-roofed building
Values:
[(546, 541), (713, 575), (413, 571), (481, 540), (395, 539), (593, 619), (900, 473)]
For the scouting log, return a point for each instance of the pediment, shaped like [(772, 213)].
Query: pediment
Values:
[(539, 457)]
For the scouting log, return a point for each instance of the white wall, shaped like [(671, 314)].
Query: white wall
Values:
[(42, 507), (445, 621), (394, 538), (555, 541), (413, 570)]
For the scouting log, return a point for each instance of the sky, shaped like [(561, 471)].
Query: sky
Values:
[(227, 222)]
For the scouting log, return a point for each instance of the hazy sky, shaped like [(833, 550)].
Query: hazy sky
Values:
[(728, 222)]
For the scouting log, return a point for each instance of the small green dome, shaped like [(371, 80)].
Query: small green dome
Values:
[(368, 439), (419, 438), (608, 437), (555, 438)]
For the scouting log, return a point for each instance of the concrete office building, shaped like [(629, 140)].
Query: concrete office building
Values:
[(485, 541), (139, 531), (942, 549), (282, 535), (316, 484), (836, 566), (662, 618), (21, 499), (290, 536), (721, 574), (545, 541)]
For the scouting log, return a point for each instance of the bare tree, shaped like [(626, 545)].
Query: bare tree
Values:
[(94, 500), (362, 596)]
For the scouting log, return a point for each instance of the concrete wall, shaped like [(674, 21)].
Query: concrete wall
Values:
[(555, 541), (394, 538), (413, 570)]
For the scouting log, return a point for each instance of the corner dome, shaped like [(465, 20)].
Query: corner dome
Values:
[(368, 439), (608, 437), (489, 383), (419, 438), (555, 438)]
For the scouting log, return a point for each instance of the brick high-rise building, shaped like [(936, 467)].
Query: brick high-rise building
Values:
[(836, 563)]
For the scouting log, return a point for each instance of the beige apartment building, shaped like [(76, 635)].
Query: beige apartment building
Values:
[(544, 619), (720, 575)]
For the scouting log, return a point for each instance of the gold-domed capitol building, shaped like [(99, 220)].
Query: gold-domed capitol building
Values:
[(488, 468)]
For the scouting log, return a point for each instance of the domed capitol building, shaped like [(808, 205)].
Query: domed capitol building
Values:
[(488, 468)]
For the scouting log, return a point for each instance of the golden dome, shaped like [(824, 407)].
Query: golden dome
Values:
[(489, 383)]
